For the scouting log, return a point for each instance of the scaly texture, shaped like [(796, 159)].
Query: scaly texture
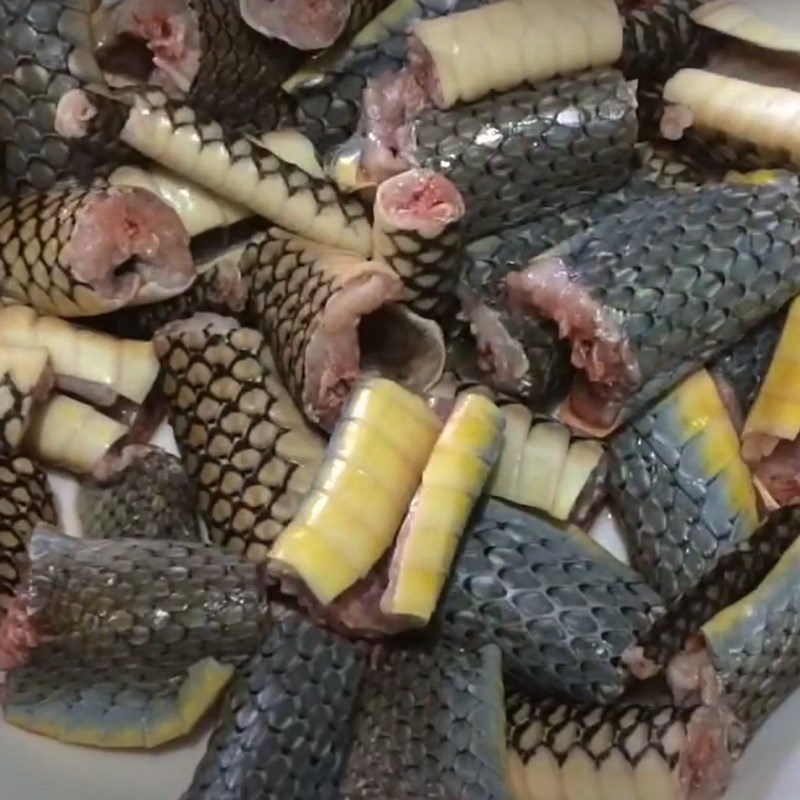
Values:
[(45, 50), (241, 438), (25, 500), (514, 584), (680, 487), (141, 708), (669, 283), (151, 497), (26, 379), (551, 147), (286, 721), (133, 603), (628, 750), (430, 726)]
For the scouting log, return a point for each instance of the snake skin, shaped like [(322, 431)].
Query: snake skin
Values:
[(25, 500), (240, 437), (45, 50), (329, 104), (515, 584), (685, 275), (744, 366), (361, 12), (138, 602), (554, 145), (430, 726), (16, 406), (152, 498), (678, 517), (734, 575), (755, 644), (286, 721)]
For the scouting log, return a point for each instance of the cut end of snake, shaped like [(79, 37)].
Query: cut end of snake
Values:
[(19, 633), (149, 42), (304, 24), (608, 372), (130, 247), (419, 200)]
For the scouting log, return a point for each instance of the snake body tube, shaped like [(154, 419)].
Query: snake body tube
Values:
[(772, 429), (379, 450), (96, 366), (131, 603), (27, 500), (681, 488), (530, 41), (626, 750), (133, 708), (26, 378), (512, 156), (417, 232), (330, 315), (747, 657), (301, 685), (459, 745), (198, 51), (242, 440), (258, 174), (75, 251), (513, 584), (641, 310), (148, 494)]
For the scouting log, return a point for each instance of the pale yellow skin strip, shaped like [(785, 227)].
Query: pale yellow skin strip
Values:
[(776, 410), (69, 434), (506, 43), (517, 425), (199, 209), (26, 365), (582, 458), (765, 116), (743, 22), (125, 366)]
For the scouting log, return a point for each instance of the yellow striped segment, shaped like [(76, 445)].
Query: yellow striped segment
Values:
[(451, 483), (373, 466), (701, 416), (776, 411)]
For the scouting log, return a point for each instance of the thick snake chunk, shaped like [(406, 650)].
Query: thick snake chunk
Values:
[(330, 315), (650, 295), (148, 495), (681, 488), (26, 500), (627, 750), (430, 725), (240, 436), (286, 720), (517, 155), (199, 51), (514, 584), (75, 251), (273, 176), (131, 603), (45, 50)]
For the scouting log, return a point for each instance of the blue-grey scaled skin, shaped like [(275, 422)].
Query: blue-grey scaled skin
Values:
[(563, 611), (430, 726), (552, 146), (286, 720), (681, 277)]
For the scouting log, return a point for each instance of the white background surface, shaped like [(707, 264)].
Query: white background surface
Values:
[(34, 768)]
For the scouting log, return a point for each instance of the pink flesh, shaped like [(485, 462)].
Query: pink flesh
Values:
[(499, 357), (118, 224), (304, 24), (691, 676), (757, 65), (419, 200), (171, 30), (18, 633), (389, 102), (675, 120), (73, 114), (706, 763), (423, 69), (640, 666), (333, 358), (779, 473), (610, 373)]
